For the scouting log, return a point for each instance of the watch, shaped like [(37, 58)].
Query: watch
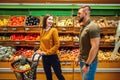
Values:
[(87, 65)]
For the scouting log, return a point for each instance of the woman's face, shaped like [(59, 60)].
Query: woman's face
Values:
[(49, 21)]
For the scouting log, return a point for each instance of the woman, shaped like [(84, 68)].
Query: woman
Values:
[(49, 44)]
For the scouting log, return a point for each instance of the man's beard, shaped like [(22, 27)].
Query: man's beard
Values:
[(81, 19)]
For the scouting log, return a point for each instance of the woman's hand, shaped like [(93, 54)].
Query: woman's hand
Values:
[(40, 52)]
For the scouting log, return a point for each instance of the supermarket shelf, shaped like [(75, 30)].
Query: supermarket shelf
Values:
[(69, 70), (20, 29), (36, 29), (102, 70), (20, 43), (37, 43)]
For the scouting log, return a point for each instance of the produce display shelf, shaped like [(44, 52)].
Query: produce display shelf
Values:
[(69, 70), (70, 63)]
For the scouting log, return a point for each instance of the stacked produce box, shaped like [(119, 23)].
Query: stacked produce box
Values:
[(24, 31)]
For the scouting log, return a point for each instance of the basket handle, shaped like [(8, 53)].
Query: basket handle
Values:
[(40, 55)]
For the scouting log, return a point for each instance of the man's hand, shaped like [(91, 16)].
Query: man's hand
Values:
[(76, 61), (85, 69)]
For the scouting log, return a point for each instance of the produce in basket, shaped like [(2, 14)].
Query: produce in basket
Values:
[(17, 21), (3, 22), (32, 20), (6, 53), (21, 65), (24, 67)]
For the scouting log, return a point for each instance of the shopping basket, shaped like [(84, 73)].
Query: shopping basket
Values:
[(30, 72)]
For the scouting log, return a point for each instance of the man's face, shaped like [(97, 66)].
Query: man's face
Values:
[(81, 15)]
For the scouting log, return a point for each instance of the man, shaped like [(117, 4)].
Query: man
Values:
[(89, 39)]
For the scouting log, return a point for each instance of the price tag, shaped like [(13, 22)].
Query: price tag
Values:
[(76, 43), (37, 42), (4, 29), (1, 42), (14, 29), (63, 43), (27, 29), (113, 43), (17, 42), (62, 62), (68, 62), (64, 29)]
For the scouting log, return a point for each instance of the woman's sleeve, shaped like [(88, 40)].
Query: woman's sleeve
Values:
[(56, 42)]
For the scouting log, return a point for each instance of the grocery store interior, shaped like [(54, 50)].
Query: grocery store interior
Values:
[(20, 36)]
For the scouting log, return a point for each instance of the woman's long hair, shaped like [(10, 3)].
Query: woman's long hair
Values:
[(45, 20)]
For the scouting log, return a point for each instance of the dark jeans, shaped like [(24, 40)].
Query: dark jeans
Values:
[(52, 61), (91, 74)]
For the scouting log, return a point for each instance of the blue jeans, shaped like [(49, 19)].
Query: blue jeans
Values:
[(90, 75)]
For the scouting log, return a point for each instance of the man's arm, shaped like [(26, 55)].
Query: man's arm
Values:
[(94, 48), (77, 59)]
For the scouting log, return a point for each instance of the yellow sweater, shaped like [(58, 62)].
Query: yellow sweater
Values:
[(49, 41)]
